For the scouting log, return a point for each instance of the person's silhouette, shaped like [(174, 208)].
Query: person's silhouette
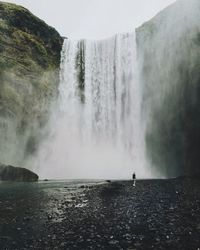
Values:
[(134, 179)]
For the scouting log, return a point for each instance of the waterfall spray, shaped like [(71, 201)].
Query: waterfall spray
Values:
[(96, 130)]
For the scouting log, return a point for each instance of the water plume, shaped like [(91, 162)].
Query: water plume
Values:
[(96, 130)]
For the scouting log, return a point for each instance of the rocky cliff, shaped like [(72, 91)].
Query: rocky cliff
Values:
[(29, 75), (169, 55)]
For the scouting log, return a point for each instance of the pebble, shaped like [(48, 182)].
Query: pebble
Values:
[(63, 244), (113, 242)]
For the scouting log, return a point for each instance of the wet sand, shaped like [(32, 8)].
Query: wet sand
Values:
[(156, 214)]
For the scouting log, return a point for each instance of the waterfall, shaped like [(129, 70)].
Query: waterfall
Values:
[(96, 130)]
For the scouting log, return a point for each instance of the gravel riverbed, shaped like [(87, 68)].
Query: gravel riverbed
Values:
[(156, 214)]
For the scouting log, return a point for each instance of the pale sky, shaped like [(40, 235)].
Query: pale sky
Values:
[(94, 19)]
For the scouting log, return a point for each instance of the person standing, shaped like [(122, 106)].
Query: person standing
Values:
[(134, 179)]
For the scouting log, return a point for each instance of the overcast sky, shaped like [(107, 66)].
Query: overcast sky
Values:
[(94, 18)]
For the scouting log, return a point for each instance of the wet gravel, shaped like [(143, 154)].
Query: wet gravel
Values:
[(156, 214)]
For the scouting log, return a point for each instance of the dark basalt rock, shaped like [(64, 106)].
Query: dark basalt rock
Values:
[(10, 173)]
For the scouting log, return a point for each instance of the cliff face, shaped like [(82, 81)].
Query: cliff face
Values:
[(169, 55), (29, 75)]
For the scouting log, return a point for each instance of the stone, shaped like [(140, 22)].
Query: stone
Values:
[(10, 173), (113, 242)]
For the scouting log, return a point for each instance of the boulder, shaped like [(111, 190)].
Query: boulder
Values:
[(10, 173)]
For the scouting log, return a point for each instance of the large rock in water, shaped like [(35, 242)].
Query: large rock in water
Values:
[(10, 173), (169, 55), (29, 77)]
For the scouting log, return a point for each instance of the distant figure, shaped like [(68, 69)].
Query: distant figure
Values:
[(134, 179)]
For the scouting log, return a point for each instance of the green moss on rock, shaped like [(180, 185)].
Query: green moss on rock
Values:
[(29, 76)]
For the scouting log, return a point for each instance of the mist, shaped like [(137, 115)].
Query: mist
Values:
[(164, 120), (95, 130), (23, 115), (169, 59)]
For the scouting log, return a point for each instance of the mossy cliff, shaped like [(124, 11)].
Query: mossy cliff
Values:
[(169, 56), (29, 75)]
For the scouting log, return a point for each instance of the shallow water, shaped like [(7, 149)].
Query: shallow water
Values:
[(28, 204)]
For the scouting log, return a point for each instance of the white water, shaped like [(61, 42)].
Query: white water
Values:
[(97, 131)]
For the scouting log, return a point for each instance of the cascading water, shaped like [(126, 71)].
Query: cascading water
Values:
[(97, 131)]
